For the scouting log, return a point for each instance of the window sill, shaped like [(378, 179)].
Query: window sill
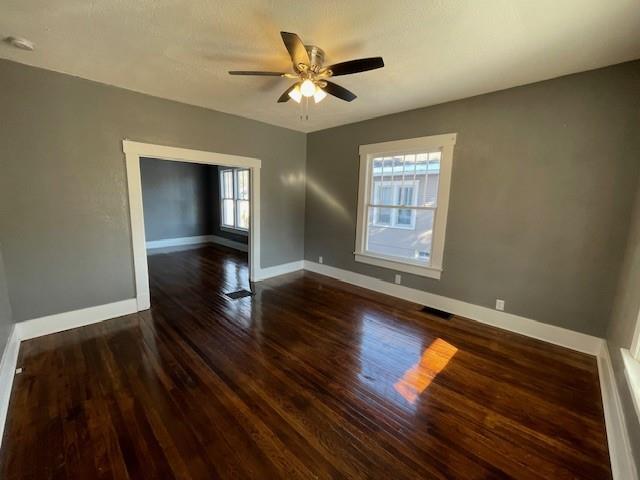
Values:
[(237, 231), (421, 270), (632, 372), (396, 227)]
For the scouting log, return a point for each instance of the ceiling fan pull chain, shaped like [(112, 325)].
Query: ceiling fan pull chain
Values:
[(304, 109)]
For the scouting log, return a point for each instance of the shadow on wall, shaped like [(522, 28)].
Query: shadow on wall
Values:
[(319, 191)]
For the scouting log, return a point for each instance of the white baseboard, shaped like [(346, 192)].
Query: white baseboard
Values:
[(38, 327), (507, 321), (196, 240), (7, 372), (622, 463), (276, 270), (177, 242), (243, 247)]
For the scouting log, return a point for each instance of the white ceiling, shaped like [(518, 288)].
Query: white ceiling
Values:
[(434, 50)]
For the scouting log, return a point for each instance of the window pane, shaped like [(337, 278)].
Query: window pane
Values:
[(405, 216), (227, 213), (405, 195), (422, 161), (384, 195), (381, 216), (227, 184), (243, 214), (409, 166), (243, 184), (405, 243)]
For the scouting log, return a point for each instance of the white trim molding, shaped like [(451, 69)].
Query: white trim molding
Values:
[(507, 321), (133, 152), (622, 463), (8, 366), (435, 143), (196, 240), (178, 241), (632, 374), (281, 269), (60, 322), (635, 341), (408, 267)]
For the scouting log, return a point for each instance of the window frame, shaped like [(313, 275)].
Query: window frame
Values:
[(235, 198), (635, 341), (445, 144), (631, 360)]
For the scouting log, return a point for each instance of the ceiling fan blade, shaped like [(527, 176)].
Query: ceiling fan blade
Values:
[(340, 92), (356, 66), (263, 74), (296, 49), (285, 96)]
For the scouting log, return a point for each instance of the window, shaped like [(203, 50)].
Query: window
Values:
[(394, 192), (234, 199), (402, 204)]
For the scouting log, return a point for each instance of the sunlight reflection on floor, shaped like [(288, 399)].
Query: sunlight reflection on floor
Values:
[(418, 378)]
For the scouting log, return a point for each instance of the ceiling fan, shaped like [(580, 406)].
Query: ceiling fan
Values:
[(311, 75)]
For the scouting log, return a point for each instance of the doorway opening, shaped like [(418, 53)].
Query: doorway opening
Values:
[(193, 198)]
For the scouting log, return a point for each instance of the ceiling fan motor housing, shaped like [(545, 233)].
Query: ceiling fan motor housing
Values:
[(316, 55)]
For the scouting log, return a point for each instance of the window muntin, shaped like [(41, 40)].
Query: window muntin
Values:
[(234, 199), (403, 204)]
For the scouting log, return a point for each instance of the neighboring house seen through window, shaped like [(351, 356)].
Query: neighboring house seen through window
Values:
[(403, 200), (234, 199)]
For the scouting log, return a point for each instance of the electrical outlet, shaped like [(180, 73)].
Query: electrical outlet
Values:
[(398, 279), (320, 260), (499, 304)]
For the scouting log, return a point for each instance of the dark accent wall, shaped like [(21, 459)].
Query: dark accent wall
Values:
[(177, 199), (543, 182), (64, 215)]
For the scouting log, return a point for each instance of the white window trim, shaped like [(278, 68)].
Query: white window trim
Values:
[(394, 209), (631, 359), (635, 343), (444, 143), (223, 226)]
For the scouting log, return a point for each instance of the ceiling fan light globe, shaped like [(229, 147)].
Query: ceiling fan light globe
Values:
[(319, 95), (308, 88), (296, 94)]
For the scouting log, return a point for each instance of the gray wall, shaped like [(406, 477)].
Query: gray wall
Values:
[(64, 220), (6, 318), (182, 200), (623, 321), (177, 199), (542, 176)]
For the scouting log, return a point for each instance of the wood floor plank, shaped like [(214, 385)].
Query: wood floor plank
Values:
[(308, 378)]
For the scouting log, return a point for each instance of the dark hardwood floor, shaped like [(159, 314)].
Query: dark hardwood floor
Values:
[(310, 378)]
